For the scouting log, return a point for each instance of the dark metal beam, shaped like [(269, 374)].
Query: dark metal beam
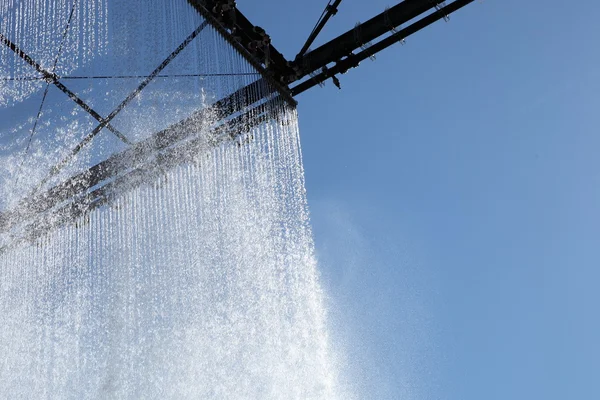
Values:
[(249, 40), (353, 60), (225, 108), (361, 35), (329, 12), (56, 169), (88, 198), (235, 114), (254, 44), (54, 79), (137, 153)]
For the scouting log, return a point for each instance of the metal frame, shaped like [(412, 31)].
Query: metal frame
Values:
[(255, 44), (138, 165), (55, 80), (353, 60), (106, 121), (238, 112)]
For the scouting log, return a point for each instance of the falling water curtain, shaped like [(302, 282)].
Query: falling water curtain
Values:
[(198, 281)]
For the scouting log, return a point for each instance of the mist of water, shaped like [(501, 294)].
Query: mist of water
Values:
[(38, 26), (200, 283)]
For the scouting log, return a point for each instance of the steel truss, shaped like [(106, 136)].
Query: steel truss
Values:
[(238, 113)]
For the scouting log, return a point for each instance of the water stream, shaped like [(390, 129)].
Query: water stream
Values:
[(199, 284)]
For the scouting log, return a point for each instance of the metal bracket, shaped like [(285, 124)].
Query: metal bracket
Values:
[(388, 22), (440, 7), (54, 79), (359, 39)]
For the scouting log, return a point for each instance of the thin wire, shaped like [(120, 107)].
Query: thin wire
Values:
[(106, 121), (312, 36), (39, 113), (54, 79), (41, 78), (320, 18)]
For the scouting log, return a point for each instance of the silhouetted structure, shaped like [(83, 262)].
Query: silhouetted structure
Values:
[(251, 105)]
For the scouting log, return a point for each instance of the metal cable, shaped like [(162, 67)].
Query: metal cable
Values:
[(330, 10), (58, 167), (41, 78)]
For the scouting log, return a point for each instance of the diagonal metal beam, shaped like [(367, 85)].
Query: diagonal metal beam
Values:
[(138, 164), (223, 111), (239, 32), (361, 35), (353, 60), (329, 12), (151, 77), (54, 79), (56, 169)]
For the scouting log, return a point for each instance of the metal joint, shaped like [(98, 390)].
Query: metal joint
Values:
[(439, 7), (331, 9), (388, 21)]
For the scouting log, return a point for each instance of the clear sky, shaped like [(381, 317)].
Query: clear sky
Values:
[(454, 188), (455, 199)]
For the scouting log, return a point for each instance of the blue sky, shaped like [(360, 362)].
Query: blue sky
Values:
[(454, 191)]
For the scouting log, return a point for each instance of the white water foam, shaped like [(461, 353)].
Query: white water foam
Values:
[(200, 284)]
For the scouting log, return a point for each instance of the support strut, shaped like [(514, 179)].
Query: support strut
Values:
[(54, 79), (354, 59), (345, 44), (236, 113), (124, 103), (329, 12)]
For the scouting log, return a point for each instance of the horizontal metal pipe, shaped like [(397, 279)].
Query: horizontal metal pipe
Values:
[(353, 61), (51, 77), (362, 34), (330, 11), (221, 110), (143, 173), (244, 26)]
